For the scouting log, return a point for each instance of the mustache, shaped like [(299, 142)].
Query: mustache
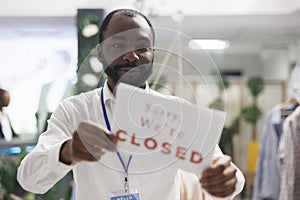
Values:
[(128, 64)]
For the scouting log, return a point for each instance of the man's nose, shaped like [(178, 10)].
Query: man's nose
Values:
[(131, 56)]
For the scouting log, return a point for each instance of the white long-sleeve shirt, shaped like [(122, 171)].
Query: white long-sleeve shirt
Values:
[(41, 168)]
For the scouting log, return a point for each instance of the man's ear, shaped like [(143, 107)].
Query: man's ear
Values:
[(100, 52)]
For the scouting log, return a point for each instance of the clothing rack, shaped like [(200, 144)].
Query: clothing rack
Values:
[(275, 176)]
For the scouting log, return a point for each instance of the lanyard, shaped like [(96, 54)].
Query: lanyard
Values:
[(104, 112), (125, 167)]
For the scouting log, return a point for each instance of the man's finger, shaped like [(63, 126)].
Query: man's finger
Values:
[(112, 142), (219, 178), (93, 134), (218, 165)]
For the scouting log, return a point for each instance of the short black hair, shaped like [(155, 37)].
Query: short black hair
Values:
[(125, 12)]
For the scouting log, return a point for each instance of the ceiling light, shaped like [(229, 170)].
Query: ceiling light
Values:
[(209, 44)]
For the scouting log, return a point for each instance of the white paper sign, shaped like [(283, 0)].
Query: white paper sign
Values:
[(162, 132)]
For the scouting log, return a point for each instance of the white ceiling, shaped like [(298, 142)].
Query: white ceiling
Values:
[(249, 24), (160, 7), (258, 31)]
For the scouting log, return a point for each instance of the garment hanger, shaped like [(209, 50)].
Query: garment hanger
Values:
[(293, 91), (291, 100), (289, 106)]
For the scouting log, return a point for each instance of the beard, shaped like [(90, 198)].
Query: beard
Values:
[(138, 81)]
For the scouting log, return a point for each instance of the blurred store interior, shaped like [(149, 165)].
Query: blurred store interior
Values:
[(39, 47)]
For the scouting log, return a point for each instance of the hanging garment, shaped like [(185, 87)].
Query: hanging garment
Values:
[(267, 178), (289, 157)]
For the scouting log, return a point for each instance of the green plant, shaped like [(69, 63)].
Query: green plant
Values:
[(9, 184), (159, 85), (252, 113), (87, 42), (256, 85), (222, 83), (6, 187), (234, 127), (226, 142)]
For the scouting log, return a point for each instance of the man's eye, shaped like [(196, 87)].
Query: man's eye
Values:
[(118, 46), (142, 47)]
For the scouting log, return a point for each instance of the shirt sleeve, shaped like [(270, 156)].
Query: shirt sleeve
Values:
[(41, 168)]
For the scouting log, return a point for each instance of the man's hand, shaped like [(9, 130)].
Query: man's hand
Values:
[(219, 179), (89, 142)]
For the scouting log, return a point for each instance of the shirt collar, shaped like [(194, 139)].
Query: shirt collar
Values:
[(276, 114), (108, 95)]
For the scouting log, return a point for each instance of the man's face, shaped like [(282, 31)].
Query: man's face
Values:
[(127, 50)]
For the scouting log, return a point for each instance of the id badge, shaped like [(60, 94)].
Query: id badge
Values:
[(120, 195)]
